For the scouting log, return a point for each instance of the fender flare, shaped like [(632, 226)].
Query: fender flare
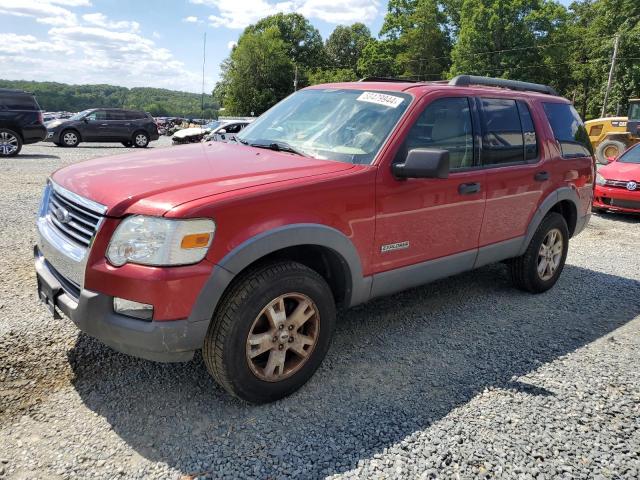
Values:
[(563, 193), (255, 248)]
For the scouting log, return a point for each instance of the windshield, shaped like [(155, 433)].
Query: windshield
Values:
[(634, 111), (80, 116), (213, 125), (344, 125), (631, 156)]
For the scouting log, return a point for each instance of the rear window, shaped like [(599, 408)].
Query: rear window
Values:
[(568, 130), (18, 102)]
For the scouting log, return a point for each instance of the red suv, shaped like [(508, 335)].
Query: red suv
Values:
[(338, 194)]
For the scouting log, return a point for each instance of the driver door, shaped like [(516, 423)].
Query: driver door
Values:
[(423, 219), (95, 125)]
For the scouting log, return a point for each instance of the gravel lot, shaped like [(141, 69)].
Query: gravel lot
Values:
[(462, 378)]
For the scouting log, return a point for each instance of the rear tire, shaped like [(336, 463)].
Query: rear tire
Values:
[(10, 143), (539, 268), (127, 144), (140, 139), (70, 138), (249, 353), (609, 148)]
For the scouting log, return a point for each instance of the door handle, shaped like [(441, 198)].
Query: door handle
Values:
[(468, 188), (541, 176), (104, 124)]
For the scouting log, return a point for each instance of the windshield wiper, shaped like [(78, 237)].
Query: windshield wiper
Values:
[(280, 147), (244, 142)]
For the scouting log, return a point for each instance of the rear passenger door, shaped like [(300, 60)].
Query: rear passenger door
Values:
[(515, 180), (117, 125)]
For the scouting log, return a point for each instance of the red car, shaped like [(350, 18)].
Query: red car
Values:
[(338, 194), (618, 183)]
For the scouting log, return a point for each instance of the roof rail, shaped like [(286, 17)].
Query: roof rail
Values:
[(387, 79), (467, 80)]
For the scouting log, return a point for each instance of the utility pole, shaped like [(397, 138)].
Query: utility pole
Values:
[(204, 59), (610, 81), (295, 80)]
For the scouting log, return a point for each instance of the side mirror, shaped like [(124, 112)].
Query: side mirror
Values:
[(611, 159), (423, 163)]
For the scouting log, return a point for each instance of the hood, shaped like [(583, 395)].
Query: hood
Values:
[(154, 181), (621, 171), (187, 132), (55, 123)]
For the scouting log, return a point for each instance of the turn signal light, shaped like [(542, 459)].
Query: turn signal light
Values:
[(195, 240)]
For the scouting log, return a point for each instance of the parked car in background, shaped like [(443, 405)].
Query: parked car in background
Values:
[(21, 121), (130, 127), (218, 130), (338, 194), (618, 183)]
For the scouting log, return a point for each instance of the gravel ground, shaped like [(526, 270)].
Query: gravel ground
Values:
[(465, 377)]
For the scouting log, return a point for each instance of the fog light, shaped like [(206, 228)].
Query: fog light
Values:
[(133, 309)]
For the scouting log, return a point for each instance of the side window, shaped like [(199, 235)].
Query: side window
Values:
[(234, 128), (568, 130), (528, 132), (116, 115), (97, 115), (502, 139), (131, 115), (445, 124)]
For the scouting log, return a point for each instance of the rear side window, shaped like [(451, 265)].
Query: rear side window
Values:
[(502, 138), (132, 115), (116, 115), (19, 102), (445, 124), (528, 132), (568, 130)]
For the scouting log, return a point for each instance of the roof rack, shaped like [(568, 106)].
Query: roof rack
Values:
[(467, 80), (387, 79)]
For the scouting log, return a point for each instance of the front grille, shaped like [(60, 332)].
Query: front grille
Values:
[(617, 183), (74, 221)]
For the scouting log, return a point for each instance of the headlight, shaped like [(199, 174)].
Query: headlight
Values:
[(160, 241), (600, 180)]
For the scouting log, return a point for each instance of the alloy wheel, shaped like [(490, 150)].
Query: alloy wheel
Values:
[(70, 138), (8, 143), (282, 337), (550, 254), (141, 140)]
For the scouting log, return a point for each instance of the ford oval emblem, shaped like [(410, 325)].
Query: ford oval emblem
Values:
[(631, 186), (62, 215)]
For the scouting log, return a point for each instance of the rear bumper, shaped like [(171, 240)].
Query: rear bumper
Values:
[(92, 312), (617, 199), (33, 134)]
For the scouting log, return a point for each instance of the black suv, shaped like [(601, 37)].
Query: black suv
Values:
[(20, 121), (129, 127)]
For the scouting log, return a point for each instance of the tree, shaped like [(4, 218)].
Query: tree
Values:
[(302, 40), (259, 73), (322, 75), (345, 45)]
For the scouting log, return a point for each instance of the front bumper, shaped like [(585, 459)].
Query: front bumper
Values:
[(92, 312), (617, 199)]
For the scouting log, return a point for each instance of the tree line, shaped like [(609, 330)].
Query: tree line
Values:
[(540, 41), (54, 97)]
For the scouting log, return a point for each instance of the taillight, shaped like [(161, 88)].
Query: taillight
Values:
[(40, 117)]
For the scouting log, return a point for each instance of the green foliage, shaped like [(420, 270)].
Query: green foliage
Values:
[(323, 75), (74, 98), (258, 74), (345, 45)]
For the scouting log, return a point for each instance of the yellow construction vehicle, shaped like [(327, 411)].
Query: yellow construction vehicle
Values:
[(613, 135)]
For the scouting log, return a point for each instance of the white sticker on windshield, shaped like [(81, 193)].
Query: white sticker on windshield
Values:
[(381, 99)]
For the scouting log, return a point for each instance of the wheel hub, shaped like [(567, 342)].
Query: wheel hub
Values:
[(550, 254), (282, 337)]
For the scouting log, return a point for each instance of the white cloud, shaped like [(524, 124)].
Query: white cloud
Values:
[(191, 19), (101, 20), (103, 51), (44, 11), (231, 44), (236, 14)]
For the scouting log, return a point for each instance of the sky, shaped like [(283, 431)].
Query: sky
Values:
[(147, 43)]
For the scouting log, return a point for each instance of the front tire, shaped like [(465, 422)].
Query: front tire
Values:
[(10, 143), (140, 140), (127, 144), (271, 332), (541, 265), (70, 138)]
